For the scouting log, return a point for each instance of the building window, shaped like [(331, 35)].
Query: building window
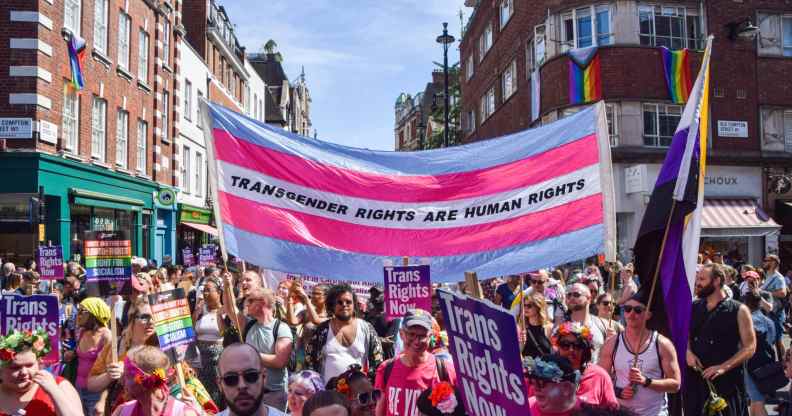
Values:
[(164, 116), (187, 100), (470, 121), (72, 12), (506, 12), (142, 141), (659, 123), (540, 52), (509, 80), (143, 55), (776, 129), (247, 101), (186, 170), (469, 68), (585, 26), (198, 174), (124, 26), (71, 120), (198, 111), (99, 129), (488, 104), (485, 42), (613, 124), (166, 41), (672, 27), (787, 35), (529, 58), (100, 26), (122, 138)]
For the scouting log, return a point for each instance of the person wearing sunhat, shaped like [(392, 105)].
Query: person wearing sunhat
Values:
[(414, 370), (555, 384)]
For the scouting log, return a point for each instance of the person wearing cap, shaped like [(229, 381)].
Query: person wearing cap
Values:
[(555, 384), (93, 318), (414, 370)]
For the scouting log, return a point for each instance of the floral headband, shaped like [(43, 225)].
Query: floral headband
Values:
[(158, 378), (548, 370), (16, 342), (575, 329), (443, 397)]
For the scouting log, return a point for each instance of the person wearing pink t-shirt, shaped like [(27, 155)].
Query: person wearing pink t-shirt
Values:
[(404, 378), (554, 383)]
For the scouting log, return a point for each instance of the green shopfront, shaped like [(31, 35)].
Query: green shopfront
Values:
[(78, 198), (195, 228)]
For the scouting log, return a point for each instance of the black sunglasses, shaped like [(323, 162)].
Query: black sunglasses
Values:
[(538, 281), (250, 377), (606, 303), (575, 294), (144, 318), (638, 309), (566, 345), (369, 397)]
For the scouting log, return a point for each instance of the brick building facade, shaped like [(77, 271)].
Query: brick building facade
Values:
[(511, 45)]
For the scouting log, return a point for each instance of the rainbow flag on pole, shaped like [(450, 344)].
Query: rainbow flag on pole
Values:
[(585, 83), (677, 74), (76, 55)]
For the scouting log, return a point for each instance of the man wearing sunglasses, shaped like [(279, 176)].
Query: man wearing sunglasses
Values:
[(555, 384), (578, 300), (641, 386), (242, 382)]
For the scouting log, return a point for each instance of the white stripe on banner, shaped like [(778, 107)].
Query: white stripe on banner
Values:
[(472, 211)]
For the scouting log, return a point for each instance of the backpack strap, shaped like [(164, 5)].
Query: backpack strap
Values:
[(388, 370), (248, 326)]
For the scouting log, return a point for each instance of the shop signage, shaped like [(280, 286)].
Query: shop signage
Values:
[(49, 260), (733, 181), (635, 179), (198, 217), (172, 320), (102, 224), (407, 287), (29, 313), (166, 197), (727, 128), (207, 254), (16, 128), (48, 132)]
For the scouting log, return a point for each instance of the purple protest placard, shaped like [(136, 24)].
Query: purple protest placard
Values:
[(486, 354), (29, 313), (49, 261), (207, 254), (188, 259), (406, 287)]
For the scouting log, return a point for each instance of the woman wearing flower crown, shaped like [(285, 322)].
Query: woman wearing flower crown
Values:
[(146, 381), (25, 387)]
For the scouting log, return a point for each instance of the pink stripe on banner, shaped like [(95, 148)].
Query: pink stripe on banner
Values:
[(317, 231), (518, 174)]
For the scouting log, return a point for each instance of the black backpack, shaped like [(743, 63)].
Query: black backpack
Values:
[(292, 364)]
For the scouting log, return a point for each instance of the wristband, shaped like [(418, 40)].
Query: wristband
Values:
[(648, 382)]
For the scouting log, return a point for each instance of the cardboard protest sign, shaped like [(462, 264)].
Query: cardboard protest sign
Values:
[(486, 354), (406, 287), (29, 313), (108, 262), (172, 319), (207, 255), (188, 258), (49, 261)]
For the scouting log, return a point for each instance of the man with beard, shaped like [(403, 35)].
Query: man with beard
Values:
[(555, 384), (721, 339), (578, 300), (343, 340), (242, 382)]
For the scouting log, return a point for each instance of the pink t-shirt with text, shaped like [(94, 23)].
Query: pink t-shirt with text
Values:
[(405, 384)]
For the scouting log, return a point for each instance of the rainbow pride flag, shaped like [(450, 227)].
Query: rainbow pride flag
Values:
[(677, 74), (76, 55), (585, 83)]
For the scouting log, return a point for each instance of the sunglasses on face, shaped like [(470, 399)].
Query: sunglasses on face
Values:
[(566, 345), (637, 309), (606, 303), (538, 281), (250, 377), (344, 302), (538, 382), (368, 397), (575, 294), (144, 318)]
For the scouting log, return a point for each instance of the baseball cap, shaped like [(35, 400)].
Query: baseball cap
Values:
[(418, 317)]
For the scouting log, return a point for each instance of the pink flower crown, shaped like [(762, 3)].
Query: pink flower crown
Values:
[(16, 342)]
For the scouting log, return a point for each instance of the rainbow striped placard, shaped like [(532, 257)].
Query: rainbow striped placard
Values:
[(585, 84), (677, 74), (526, 201)]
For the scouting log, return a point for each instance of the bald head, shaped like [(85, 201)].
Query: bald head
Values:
[(8, 268), (239, 357)]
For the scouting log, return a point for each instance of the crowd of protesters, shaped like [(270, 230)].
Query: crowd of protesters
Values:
[(586, 346)]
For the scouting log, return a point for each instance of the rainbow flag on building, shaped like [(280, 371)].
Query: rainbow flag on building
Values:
[(76, 55), (677, 74), (585, 83)]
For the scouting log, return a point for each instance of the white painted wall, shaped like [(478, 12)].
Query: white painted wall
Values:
[(195, 71), (257, 89)]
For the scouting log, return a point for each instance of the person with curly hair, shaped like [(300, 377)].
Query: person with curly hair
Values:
[(25, 386), (356, 386), (574, 341)]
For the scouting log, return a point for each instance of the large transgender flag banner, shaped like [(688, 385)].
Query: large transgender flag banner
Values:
[(529, 200)]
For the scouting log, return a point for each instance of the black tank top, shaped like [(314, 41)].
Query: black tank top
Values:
[(715, 337), (536, 335)]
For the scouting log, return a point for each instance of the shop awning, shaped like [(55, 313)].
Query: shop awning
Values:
[(102, 200), (202, 227), (735, 218)]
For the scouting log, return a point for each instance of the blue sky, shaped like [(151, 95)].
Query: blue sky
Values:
[(358, 55)]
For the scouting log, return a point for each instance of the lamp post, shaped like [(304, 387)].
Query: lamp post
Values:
[(445, 39)]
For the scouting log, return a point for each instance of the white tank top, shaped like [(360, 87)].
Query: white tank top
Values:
[(645, 401), (338, 358)]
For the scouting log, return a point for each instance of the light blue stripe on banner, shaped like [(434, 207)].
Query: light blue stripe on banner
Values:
[(455, 159), (290, 257)]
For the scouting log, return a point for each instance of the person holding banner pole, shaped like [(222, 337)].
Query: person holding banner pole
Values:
[(93, 317), (25, 387)]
